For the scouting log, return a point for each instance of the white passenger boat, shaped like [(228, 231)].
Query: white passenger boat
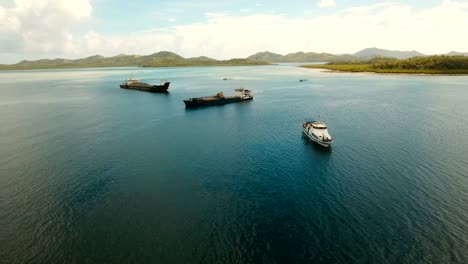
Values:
[(317, 131)]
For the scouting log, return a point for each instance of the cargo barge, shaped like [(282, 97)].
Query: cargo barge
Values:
[(219, 99), (134, 84)]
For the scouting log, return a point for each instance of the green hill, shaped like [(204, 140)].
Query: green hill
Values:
[(267, 56), (160, 59)]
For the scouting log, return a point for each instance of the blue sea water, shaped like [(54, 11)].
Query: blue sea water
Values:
[(91, 173)]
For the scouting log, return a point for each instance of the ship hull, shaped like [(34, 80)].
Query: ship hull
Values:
[(316, 140), (220, 101), (150, 88)]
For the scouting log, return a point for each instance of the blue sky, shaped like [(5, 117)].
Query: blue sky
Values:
[(33, 29)]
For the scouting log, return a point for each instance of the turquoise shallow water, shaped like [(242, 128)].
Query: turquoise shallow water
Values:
[(90, 173)]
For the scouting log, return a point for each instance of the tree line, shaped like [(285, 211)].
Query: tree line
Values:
[(421, 63)]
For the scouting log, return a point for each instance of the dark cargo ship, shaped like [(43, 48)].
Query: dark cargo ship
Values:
[(219, 99), (138, 85)]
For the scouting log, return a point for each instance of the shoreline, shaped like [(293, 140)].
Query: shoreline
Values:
[(325, 70)]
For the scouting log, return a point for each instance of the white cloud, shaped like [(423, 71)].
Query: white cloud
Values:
[(327, 3), (40, 26), (438, 29)]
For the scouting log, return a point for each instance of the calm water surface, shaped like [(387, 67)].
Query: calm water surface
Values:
[(90, 173)]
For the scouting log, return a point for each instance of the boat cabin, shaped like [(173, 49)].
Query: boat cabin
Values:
[(241, 92), (319, 125), (130, 80)]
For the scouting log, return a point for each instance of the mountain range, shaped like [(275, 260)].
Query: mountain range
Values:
[(170, 59), (363, 55), (300, 57), (159, 59), (371, 53), (454, 53)]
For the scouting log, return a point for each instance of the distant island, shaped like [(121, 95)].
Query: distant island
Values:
[(359, 61), (301, 57), (360, 56), (418, 65), (160, 59)]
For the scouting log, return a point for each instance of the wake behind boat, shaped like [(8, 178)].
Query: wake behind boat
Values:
[(317, 131), (219, 99), (135, 84)]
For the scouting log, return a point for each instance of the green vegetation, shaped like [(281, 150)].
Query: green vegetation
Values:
[(199, 61), (160, 59), (422, 65)]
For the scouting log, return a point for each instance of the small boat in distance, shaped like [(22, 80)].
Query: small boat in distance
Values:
[(135, 84), (219, 99), (317, 131)]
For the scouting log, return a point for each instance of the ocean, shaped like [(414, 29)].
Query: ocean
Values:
[(91, 173)]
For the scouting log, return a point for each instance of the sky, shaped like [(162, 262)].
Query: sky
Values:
[(224, 29)]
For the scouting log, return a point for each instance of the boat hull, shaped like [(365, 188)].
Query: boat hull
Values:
[(316, 140), (220, 101), (150, 88)]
